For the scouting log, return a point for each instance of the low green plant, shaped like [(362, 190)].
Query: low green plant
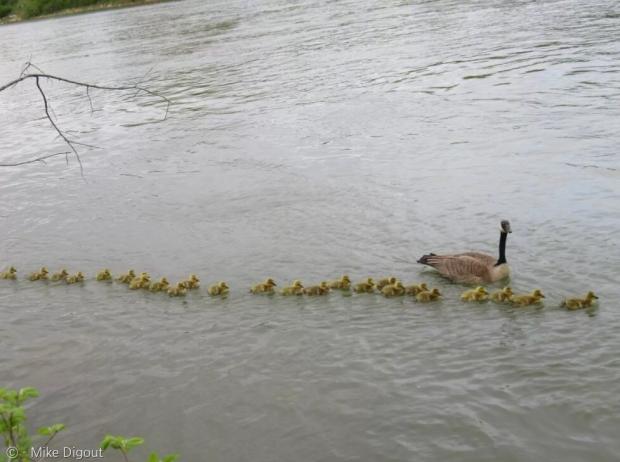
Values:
[(124, 445), (17, 440), (13, 424)]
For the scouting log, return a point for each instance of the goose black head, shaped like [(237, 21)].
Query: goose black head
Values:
[(505, 226)]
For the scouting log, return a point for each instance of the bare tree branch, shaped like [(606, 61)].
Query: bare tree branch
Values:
[(40, 75), (38, 159), (137, 87), (60, 133)]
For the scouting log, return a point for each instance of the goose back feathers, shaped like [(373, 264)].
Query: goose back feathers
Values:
[(473, 267)]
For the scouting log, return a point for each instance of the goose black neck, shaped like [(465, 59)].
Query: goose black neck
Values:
[(502, 248)]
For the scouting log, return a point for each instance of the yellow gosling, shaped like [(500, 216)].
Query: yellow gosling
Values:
[(192, 282), (104, 275), (141, 282), (580, 303), (74, 279), (365, 287), (503, 295), (415, 289), (127, 277), (385, 282), (266, 287), (60, 276), (428, 296), (177, 291), (321, 289), (479, 294), (40, 275), (344, 283), (528, 299), (296, 288), (221, 288), (159, 286), (393, 290), (9, 274)]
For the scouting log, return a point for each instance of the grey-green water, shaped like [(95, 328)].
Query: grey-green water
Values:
[(307, 139)]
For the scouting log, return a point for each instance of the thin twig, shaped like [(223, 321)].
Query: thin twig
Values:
[(90, 101), (62, 135), (46, 444), (88, 85), (40, 74), (38, 159)]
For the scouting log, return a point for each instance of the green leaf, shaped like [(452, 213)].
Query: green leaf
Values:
[(153, 457), (51, 430), (133, 442), (57, 427), (6, 408), (27, 392), (106, 441), (170, 458), (18, 415), (10, 396)]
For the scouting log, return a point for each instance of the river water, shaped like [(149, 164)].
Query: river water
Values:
[(307, 139)]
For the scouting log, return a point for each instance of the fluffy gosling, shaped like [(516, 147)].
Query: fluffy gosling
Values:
[(415, 289), (59, 276), (386, 282), (40, 275), (503, 295), (74, 279), (141, 282), (221, 288), (393, 290), (479, 294), (104, 275), (9, 274), (428, 296), (365, 287), (159, 286), (580, 303), (266, 287), (177, 291), (192, 282), (528, 299), (321, 289), (127, 277), (296, 288), (344, 283)]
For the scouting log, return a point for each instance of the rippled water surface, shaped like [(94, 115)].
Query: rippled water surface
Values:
[(307, 139)]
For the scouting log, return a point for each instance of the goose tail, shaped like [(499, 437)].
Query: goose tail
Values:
[(424, 258)]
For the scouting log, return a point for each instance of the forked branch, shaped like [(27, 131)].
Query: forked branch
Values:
[(40, 75)]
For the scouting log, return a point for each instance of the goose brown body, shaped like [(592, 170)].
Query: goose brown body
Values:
[(472, 267)]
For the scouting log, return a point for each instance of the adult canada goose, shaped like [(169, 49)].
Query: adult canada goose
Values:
[(473, 267)]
